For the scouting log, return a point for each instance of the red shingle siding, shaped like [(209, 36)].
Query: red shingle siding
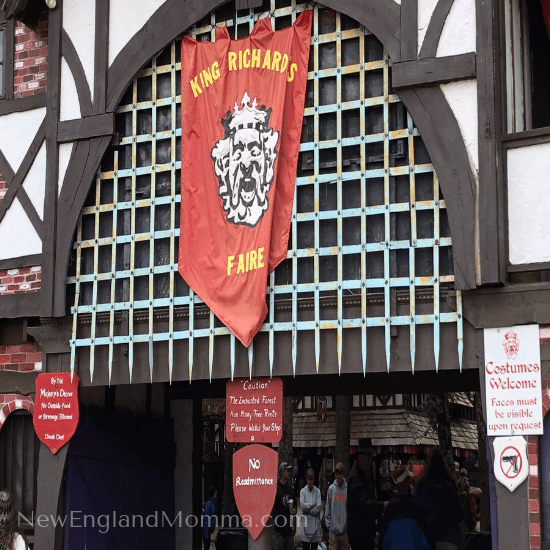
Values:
[(23, 279), (30, 58)]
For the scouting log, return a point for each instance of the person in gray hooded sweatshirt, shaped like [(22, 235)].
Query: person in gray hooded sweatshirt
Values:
[(335, 512)]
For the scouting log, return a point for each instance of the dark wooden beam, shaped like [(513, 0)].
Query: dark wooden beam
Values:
[(19, 177), (31, 212), (52, 338), (409, 33), (508, 306), (75, 64), (22, 261), (52, 170), (433, 32), (101, 61), (86, 128), (22, 104), (22, 383), (492, 195), (437, 70), (22, 304), (49, 480)]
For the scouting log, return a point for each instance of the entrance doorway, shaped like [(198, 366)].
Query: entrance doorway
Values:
[(119, 482)]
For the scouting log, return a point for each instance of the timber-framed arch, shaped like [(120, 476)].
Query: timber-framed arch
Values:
[(426, 103)]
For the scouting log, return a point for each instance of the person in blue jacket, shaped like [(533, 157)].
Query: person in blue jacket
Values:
[(405, 522), (209, 516)]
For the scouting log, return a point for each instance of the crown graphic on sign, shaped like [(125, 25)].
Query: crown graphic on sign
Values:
[(247, 117), (511, 344)]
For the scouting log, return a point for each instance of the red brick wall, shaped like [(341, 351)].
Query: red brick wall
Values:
[(10, 402), (23, 279), (30, 58), (533, 442), (21, 357)]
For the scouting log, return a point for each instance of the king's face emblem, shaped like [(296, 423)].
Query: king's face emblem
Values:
[(244, 161)]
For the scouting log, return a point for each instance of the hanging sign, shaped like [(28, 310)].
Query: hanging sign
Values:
[(255, 485), (242, 105), (513, 380), (56, 412), (254, 410), (511, 466)]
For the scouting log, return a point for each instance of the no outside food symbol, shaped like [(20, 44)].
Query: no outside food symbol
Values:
[(511, 462)]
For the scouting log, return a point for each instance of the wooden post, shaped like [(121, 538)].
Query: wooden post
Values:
[(343, 412)]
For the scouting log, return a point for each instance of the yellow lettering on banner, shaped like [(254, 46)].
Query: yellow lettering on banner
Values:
[(246, 60), (208, 77), (232, 61), (256, 54), (230, 261), (284, 63), (276, 61), (247, 261), (240, 268), (293, 69), (253, 260), (267, 60), (195, 86), (215, 70), (240, 60)]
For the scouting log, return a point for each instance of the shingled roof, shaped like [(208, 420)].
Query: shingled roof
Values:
[(391, 427)]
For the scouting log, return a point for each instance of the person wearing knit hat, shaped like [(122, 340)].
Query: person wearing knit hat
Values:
[(405, 522), (10, 539)]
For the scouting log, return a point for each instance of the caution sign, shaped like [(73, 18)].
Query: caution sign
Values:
[(511, 464)]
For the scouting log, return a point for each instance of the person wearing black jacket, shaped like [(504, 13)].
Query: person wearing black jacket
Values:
[(283, 509), (362, 506)]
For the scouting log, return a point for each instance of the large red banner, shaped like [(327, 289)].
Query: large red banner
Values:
[(242, 110)]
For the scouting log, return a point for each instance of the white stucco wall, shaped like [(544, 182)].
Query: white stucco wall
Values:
[(35, 182), (17, 130), (529, 204), (425, 12), (126, 17), (70, 106), (65, 152), (459, 32), (462, 98), (79, 22), (17, 234)]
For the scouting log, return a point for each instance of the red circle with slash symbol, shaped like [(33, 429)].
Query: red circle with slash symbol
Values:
[(511, 462)]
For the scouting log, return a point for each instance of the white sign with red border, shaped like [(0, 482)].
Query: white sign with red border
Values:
[(511, 465), (513, 380)]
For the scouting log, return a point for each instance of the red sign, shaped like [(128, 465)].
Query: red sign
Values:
[(56, 412), (242, 105), (255, 485), (254, 410)]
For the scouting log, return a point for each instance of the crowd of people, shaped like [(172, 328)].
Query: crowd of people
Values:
[(436, 515)]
